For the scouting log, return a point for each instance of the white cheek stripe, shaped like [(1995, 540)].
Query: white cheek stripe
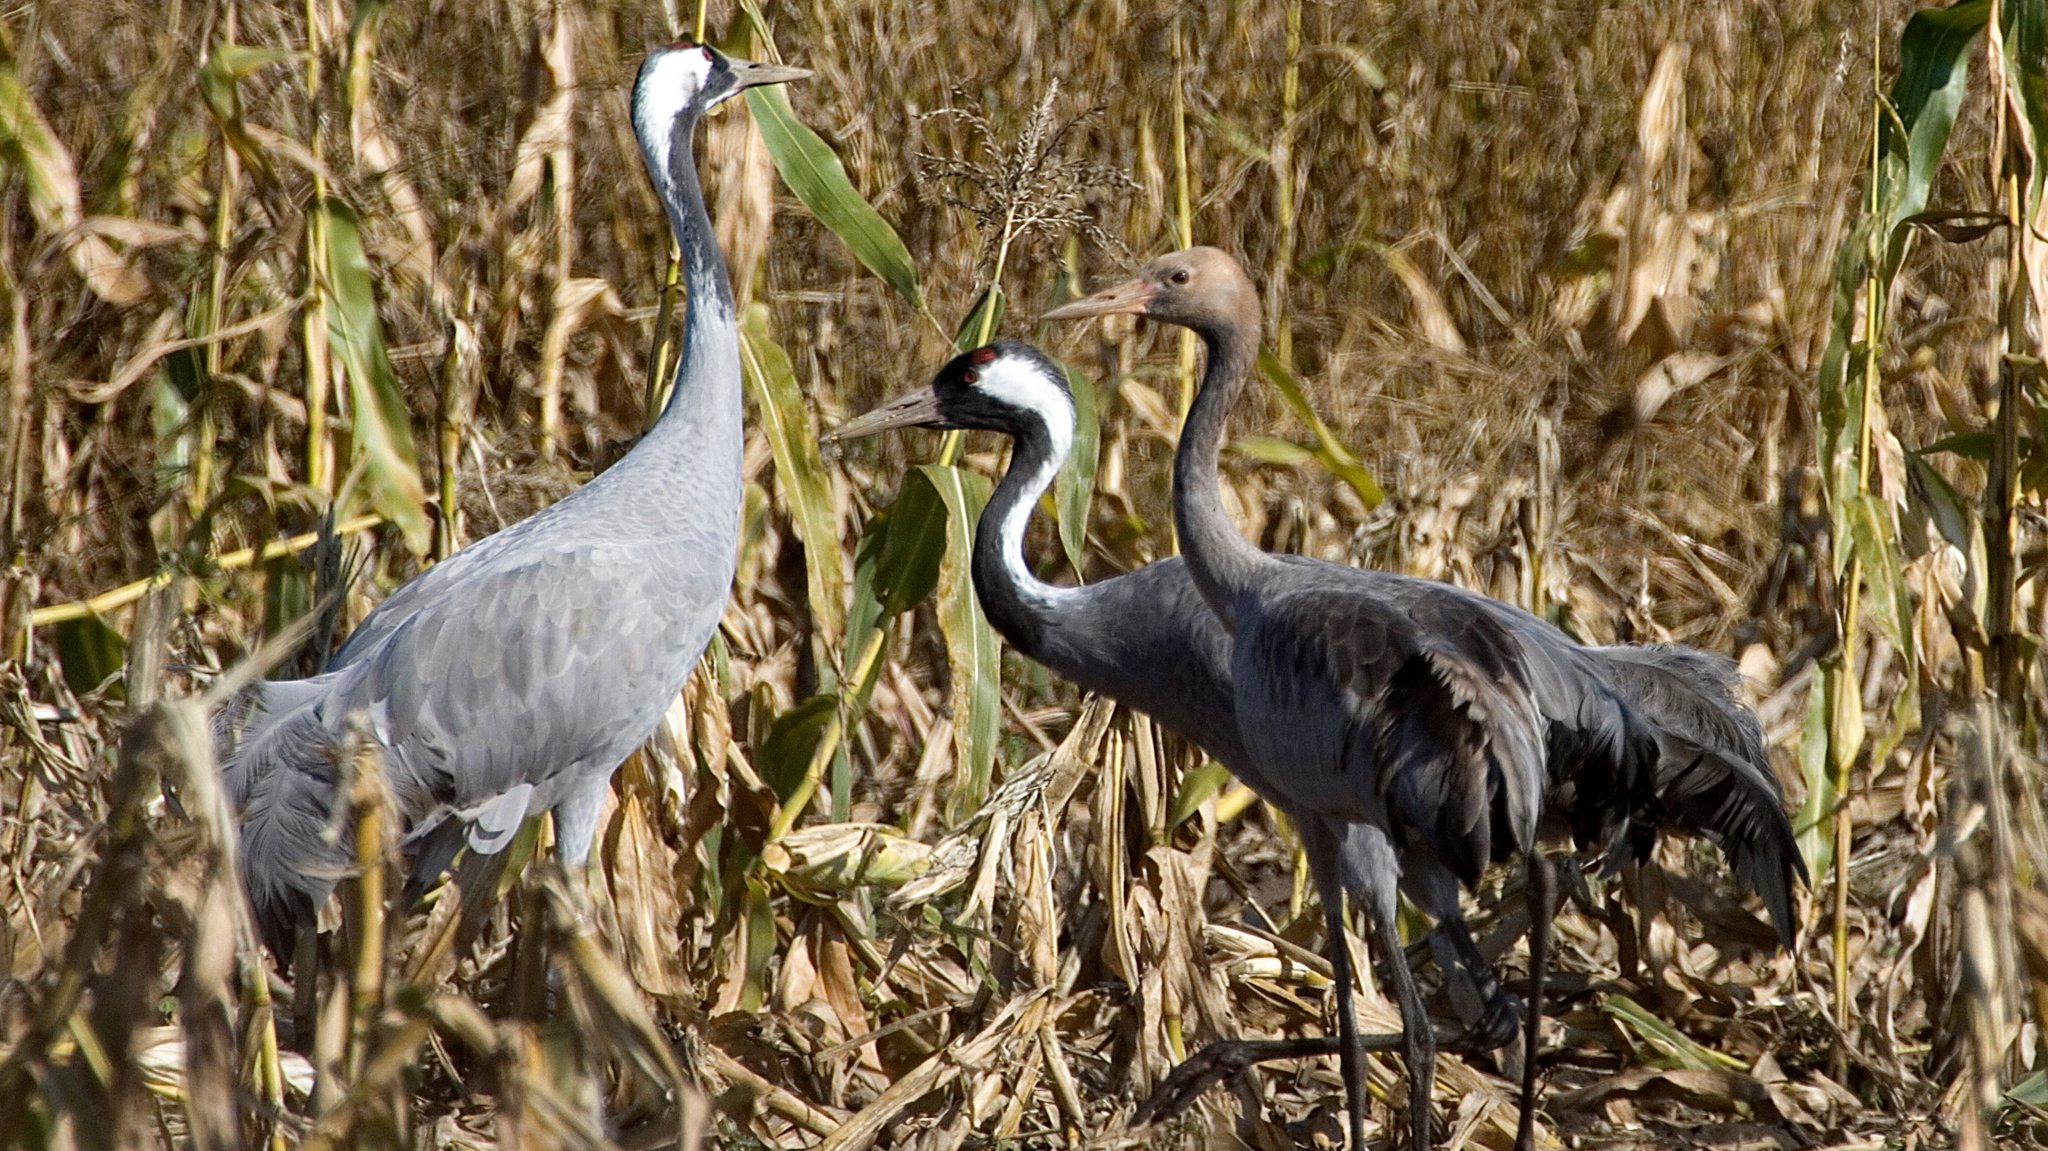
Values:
[(667, 85), (1025, 387)]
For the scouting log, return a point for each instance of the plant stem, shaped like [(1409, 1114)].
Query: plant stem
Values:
[(319, 460), (1283, 190), (1184, 212)]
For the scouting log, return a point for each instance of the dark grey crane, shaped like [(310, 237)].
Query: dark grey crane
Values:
[(1427, 728), (513, 678)]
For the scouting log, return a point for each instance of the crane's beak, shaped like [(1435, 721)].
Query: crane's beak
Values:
[(753, 74), (919, 409), (1132, 296)]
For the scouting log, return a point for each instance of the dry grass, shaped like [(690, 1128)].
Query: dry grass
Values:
[(1560, 276)]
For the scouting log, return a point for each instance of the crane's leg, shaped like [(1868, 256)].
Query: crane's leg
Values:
[(576, 825), (1542, 900), (1381, 897), (1350, 1052), (1500, 1015), (575, 815), (1467, 975), (1325, 866)]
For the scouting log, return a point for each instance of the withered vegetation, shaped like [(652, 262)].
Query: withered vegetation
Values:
[(1576, 305)]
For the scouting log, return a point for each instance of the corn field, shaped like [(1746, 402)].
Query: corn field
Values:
[(1709, 323)]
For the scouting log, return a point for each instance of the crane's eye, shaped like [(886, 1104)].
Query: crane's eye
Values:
[(970, 377), (1179, 276)]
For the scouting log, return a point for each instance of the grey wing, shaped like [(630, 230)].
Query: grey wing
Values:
[(1489, 702), (1713, 775), (1431, 730), (562, 661), (283, 777), (427, 591), (1603, 753)]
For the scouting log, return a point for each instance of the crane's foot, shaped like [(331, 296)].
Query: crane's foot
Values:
[(1496, 1027), (1226, 1059)]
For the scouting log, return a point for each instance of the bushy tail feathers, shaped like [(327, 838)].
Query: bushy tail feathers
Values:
[(1737, 805), (1713, 776), (284, 775)]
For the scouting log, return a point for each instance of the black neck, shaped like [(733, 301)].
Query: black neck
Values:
[(1017, 603)]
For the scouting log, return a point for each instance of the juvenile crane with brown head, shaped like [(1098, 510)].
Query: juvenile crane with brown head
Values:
[(1427, 730)]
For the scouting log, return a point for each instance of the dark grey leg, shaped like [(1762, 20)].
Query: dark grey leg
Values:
[(1381, 897), (1542, 898), (1325, 868)]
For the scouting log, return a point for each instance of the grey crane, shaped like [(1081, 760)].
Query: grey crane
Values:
[(1146, 639), (513, 678), (1430, 724)]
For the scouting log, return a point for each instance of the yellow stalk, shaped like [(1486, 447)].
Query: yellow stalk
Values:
[(128, 593), (319, 459)]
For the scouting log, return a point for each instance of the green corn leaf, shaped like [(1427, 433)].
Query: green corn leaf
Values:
[(1920, 111), (983, 320), (1273, 450), (380, 429), (971, 644), (1956, 522), (1329, 451), (757, 911), (287, 594), (2031, 1091), (896, 564), (1934, 74), (1074, 488), (218, 87), (1969, 445), (2023, 47), (91, 652), (170, 420), (1195, 789), (1874, 533), (799, 470), (1675, 1048), (786, 754), (1815, 822), (816, 177)]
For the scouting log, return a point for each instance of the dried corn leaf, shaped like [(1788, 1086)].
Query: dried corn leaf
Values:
[(54, 200)]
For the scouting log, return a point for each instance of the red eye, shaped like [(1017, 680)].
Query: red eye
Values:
[(983, 356), (970, 376)]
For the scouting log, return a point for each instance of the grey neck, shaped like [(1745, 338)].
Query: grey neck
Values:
[(704, 394), (1225, 566)]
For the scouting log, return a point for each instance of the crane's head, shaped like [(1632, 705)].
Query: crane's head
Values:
[(682, 81), (1200, 288), (1006, 386)]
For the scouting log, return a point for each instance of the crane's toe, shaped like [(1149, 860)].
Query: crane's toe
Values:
[(1498, 1024)]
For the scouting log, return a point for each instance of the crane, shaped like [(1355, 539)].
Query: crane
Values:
[(513, 677), (1146, 639), (1435, 726)]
